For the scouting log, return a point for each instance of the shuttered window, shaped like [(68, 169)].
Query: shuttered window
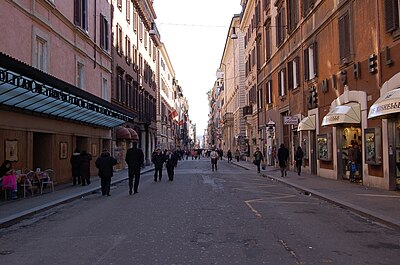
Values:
[(280, 27), (80, 14), (268, 41), (293, 73), (344, 36), (391, 15), (282, 82), (310, 58), (269, 92), (308, 5), (292, 15), (104, 33)]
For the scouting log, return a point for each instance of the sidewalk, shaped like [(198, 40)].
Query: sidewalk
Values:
[(376, 204), (13, 211)]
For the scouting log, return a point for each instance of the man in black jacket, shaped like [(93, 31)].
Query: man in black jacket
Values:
[(171, 163), (158, 160), (105, 165), (134, 158), (283, 155)]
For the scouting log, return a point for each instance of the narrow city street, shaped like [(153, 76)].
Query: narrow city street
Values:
[(231, 216)]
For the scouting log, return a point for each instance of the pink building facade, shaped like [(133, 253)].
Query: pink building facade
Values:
[(55, 83)]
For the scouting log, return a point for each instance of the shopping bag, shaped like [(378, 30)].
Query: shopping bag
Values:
[(9, 182)]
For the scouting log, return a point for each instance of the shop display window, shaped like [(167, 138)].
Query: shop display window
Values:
[(324, 142), (372, 146)]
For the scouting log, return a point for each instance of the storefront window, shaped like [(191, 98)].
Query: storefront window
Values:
[(324, 147)]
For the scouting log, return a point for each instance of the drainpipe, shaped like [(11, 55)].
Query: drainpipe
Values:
[(95, 31), (378, 28)]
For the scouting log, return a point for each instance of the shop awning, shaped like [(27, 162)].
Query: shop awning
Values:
[(349, 113), (134, 135), (29, 89), (389, 103), (122, 133), (307, 124)]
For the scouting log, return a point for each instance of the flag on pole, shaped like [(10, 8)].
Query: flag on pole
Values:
[(173, 114), (180, 123)]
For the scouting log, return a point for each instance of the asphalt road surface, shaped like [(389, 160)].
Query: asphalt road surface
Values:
[(231, 216)]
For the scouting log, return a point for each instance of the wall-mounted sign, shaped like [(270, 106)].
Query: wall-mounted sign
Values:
[(290, 120)]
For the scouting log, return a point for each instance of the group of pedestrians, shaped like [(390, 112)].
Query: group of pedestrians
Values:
[(169, 158), (283, 159), (80, 163)]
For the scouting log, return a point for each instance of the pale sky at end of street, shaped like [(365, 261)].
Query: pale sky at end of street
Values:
[(194, 33)]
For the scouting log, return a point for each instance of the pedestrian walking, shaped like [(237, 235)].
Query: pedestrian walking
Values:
[(214, 159), (220, 153), (283, 155), (75, 161), (134, 158), (229, 155), (258, 158), (105, 165), (171, 163), (84, 167), (158, 160), (298, 157), (237, 154)]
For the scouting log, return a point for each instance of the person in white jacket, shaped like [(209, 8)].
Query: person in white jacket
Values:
[(214, 159)]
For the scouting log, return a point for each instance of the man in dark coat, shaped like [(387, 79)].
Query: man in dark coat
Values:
[(171, 163), (134, 158), (105, 165), (75, 161), (84, 167), (283, 155), (158, 160)]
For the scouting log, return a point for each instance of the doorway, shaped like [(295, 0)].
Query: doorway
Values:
[(42, 151)]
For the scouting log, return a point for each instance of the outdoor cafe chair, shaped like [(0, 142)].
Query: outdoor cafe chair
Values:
[(27, 182), (47, 178)]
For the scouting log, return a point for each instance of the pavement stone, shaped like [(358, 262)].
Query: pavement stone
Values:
[(376, 204)]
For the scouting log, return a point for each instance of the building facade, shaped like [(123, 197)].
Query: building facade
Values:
[(134, 53), (326, 79), (55, 72)]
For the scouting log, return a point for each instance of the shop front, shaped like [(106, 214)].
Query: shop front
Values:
[(44, 120), (307, 130), (387, 110), (347, 119)]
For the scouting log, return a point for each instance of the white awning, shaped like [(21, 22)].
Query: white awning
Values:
[(349, 113), (389, 103), (307, 124)]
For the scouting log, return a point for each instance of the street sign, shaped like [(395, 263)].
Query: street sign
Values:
[(290, 120)]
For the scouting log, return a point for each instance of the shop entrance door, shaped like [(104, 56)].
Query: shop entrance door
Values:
[(313, 152), (43, 151)]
